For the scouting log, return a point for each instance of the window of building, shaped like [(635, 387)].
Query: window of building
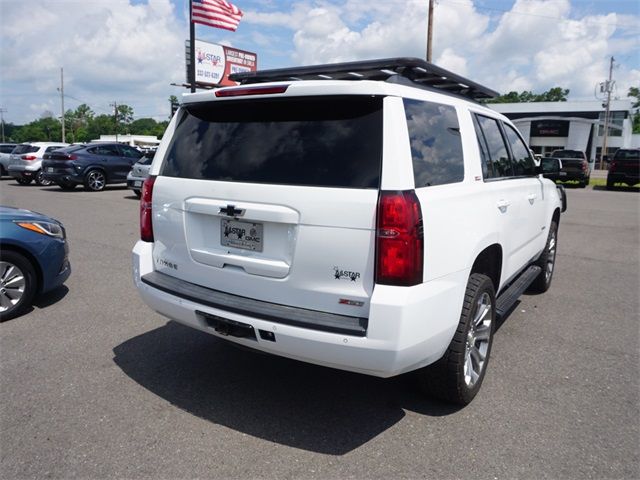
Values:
[(616, 120)]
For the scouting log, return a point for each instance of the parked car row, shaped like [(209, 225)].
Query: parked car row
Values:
[(572, 165), (93, 165)]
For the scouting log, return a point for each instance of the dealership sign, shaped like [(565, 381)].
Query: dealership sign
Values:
[(214, 63)]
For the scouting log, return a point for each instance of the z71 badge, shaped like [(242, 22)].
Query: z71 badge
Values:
[(340, 274)]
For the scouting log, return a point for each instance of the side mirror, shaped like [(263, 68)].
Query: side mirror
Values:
[(550, 166)]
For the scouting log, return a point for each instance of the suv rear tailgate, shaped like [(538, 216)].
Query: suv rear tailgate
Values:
[(273, 201)]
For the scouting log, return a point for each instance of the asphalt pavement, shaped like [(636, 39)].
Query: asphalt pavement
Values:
[(93, 384)]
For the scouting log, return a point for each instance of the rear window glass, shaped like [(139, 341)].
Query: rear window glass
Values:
[(314, 141), (436, 148), (568, 154), (627, 155), (22, 149), (147, 159)]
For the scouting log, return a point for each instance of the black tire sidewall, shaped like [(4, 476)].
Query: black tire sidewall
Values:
[(485, 285), (445, 378), (31, 284)]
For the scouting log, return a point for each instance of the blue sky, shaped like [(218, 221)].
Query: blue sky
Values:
[(130, 51)]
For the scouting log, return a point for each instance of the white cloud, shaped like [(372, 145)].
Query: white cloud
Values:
[(535, 46), (111, 50)]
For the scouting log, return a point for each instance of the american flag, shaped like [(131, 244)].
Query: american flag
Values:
[(216, 13)]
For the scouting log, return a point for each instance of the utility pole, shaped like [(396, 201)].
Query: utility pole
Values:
[(62, 101), (2, 110), (430, 32), (115, 116), (609, 88), (192, 50)]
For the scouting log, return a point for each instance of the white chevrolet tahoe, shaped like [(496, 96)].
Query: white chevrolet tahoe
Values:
[(366, 216)]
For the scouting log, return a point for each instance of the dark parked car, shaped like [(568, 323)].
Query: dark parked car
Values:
[(575, 166), (624, 167), (33, 258), (94, 165)]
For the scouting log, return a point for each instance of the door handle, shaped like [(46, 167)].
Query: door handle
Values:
[(503, 205), (532, 198)]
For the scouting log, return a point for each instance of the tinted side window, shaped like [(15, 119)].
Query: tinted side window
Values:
[(487, 171), (318, 141), (130, 152), (51, 149), (498, 152), (108, 150), (436, 148), (522, 162), (6, 148)]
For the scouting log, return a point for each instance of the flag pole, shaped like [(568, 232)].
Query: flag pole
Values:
[(192, 49)]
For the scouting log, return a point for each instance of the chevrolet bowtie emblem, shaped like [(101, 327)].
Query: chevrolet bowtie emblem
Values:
[(231, 211)]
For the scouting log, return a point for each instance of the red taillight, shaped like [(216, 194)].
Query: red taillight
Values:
[(237, 92), (28, 157), (585, 165), (146, 227), (612, 166), (72, 157), (399, 239)]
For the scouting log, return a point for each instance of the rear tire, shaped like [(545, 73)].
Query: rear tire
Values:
[(546, 262), (138, 193), (610, 184), (18, 284), (95, 180), (40, 180), (23, 181), (458, 375)]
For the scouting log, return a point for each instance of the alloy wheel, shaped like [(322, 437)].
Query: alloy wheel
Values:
[(96, 180), (12, 285), (551, 257), (478, 338)]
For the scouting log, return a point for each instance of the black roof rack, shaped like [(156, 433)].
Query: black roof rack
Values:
[(420, 72)]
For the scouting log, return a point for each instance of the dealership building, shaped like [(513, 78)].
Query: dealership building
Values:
[(549, 126)]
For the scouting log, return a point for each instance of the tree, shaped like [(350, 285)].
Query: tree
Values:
[(634, 92), (555, 94), (173, 101), (143, 126), (125, 114)]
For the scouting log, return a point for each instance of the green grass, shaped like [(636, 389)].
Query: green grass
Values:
[(602, 182)]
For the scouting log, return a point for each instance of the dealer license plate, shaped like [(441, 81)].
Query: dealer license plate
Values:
[(49, 169), (137, 183), (563, 174), (246, 235)]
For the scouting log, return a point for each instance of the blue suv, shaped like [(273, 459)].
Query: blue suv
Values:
[(93, 165)]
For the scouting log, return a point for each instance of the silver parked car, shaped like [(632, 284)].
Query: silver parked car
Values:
[(139, 172), (5, 156), (25, 164)]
